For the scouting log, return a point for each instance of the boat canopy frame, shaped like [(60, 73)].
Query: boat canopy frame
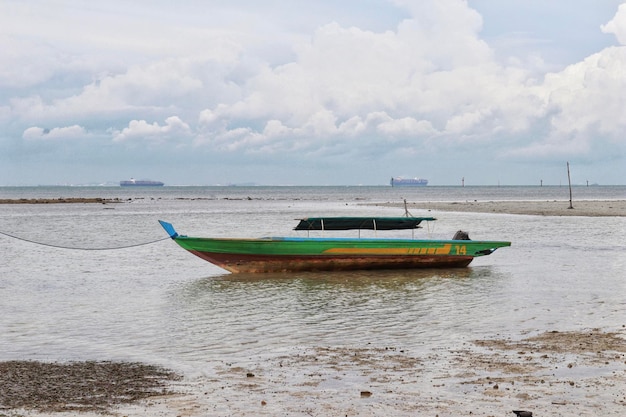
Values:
[(361, 223)]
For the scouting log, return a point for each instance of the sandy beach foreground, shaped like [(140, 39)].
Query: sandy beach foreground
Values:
[(553, 373), (593, 208)]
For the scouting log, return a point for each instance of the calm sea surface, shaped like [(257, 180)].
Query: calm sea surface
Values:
[(156, 303)]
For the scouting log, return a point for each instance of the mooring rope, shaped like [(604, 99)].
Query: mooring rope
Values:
[(75, 248)]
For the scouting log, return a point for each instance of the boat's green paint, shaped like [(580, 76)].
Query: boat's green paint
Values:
[(323, 246)]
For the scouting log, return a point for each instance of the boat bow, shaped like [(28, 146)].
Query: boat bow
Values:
[(169, 228)]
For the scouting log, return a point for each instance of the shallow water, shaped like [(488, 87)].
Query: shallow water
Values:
[(158, 304)]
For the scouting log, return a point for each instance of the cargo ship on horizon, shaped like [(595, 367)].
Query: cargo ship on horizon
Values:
[(414, 182), (140, 183)]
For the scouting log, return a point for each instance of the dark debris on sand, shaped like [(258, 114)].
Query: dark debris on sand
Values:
[(79, 386), (60, 200)]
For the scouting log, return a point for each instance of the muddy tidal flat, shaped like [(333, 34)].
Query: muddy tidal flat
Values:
[(42, 387), (552, 373)]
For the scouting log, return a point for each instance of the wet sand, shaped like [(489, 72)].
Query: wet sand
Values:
[(577, 373), (593, 208), (90, 386)]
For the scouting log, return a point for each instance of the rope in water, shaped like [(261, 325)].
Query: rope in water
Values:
[(75, 248)]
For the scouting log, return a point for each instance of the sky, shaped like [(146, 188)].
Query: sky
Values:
[(296, 92)]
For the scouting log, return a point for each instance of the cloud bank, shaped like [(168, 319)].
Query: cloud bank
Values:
[(341, 103)]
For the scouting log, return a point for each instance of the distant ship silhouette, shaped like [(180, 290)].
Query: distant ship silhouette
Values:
[(140, 183)]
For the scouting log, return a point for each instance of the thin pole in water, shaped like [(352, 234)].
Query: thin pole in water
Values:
[(570, 187), (406, 210)]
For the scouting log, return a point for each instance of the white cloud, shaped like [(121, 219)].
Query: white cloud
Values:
[(342, 75), (406, 126), (57, 133), (174, 129), (582, 109), (617, 25), (18, 69), (587, 97)]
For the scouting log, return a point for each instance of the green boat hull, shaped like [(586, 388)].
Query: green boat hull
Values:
[(321, 254)]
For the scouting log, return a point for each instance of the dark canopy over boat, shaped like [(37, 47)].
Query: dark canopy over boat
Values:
[(368, 223)]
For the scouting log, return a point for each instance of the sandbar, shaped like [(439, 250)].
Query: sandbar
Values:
[(61, 200), (590, 208)]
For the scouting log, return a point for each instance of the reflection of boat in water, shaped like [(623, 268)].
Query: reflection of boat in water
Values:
[(140, 183), (364, 277), (325, 282), (411, 182), (290, 254)]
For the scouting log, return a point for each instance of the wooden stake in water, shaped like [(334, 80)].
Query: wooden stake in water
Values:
[(570, 187)]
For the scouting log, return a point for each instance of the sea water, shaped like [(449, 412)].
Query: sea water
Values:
[(97, 282)]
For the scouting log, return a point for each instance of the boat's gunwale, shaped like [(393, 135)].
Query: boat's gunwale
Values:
[(339, 239)]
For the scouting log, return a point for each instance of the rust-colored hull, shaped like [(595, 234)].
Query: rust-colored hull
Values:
[(237, 263)]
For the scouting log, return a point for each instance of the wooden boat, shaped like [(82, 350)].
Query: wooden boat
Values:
[(282, 254)]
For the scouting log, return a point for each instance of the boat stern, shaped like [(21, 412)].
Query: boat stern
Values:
[(487, 248)]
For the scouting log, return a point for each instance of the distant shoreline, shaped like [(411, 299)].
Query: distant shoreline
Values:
[(589, 208), (94, 200)]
